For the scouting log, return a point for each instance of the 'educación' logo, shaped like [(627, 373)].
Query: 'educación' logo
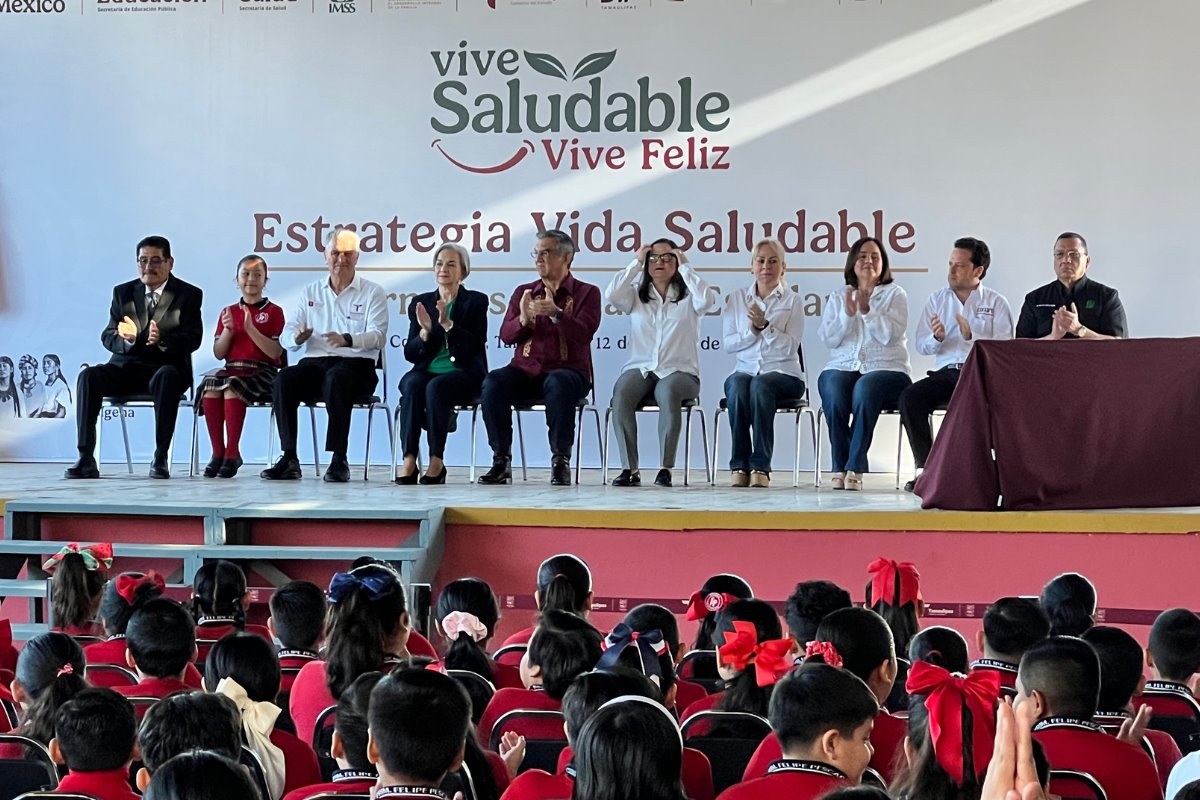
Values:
[(587, 104)]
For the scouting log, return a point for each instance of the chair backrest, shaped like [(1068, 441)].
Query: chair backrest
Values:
[(250, 760), (142, 704), (1071, 784), (34, 772), (544, 735), (460, 783), (700, 666), (322, 737), (106, 676), (479, 689), (871, 777), (729, 739), (83, 640), (510, 655), (8, 710)]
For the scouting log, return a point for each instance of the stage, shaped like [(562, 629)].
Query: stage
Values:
[(645, 544)]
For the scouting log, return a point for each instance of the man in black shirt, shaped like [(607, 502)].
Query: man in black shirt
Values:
[(1074, 306)]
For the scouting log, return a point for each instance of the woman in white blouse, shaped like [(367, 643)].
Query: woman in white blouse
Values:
[(863, 325), (763, 326), (665, 299)]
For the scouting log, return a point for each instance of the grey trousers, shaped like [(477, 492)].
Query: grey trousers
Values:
[(667, 393)]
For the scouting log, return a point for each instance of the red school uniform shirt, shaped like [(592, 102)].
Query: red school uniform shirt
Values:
[(290, 664), (1125, 771), (308, 698), (536, 784), (706, 703), (1005, 669), (112, 651), (789, 779), (887, 737), (300, 762), (109, 784), (505, 700), (1166, 752), (154, 687), (345, 781), (213, 628), (520, 637), (265, 316)]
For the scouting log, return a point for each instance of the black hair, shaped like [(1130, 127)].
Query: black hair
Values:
[(1069, 602), (643, 291), (1189, 791), (248, 659), (42, 670), (743, 693), (1012, 625), (653, 617), (96, 730), (159, 242), (1066, 670), (252, 258), (564, 646), (1175, 644), (902, 619), (564, 583), (218, 590), (885, 272), (351, 719), (628, 751), (189, 721), (566, 245), (419, 720), (718, 584), (1072, 235), (924, 777), (161, 636), (202, 775), (115, 612), (941, 646), (861, 637), (593, 689), (360, 625), (857, 793), (1120, 665), (471, 596), (808, 604), (816, 698), (75, 591), (298, 614), (981, 256)]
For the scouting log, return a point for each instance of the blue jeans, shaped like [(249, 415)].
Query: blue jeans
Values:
[(752, 400), (845, 394)]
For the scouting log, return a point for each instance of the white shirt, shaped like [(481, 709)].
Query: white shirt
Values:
[(1186, 770), (986, 311), (867, 342), (360, 310), (664, 335), (775, 349)]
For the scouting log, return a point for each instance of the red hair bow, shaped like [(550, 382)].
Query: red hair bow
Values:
[(95, 556), (742, 648), (826, 651), (886, 574), (701, 605), (127, 585), (945, 697)]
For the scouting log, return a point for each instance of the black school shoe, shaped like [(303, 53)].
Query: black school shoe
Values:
[(229, 467), (500, 473), (560, 471), (339, 470), (663, 478), (287, 468), (628, 478), (214, 466)]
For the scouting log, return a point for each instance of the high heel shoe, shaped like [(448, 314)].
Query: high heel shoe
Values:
[(214, 466), (410, 479), (853, 481), (229, 467), (433, 480), (837, 480)]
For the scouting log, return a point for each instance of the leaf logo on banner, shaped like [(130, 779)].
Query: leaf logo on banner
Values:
[(546, 64), (594, 64)]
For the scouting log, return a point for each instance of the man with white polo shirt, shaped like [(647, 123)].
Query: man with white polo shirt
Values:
[(955, 317)]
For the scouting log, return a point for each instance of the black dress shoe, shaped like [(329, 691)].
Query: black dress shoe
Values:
[(560, 471), (501, 471), (339, 470), (663, 478), (214, 466), (83, 468), (433, 480), (911, 485), (628, 478), (287, 468), (158, 468), (408, 480), (229, 467)]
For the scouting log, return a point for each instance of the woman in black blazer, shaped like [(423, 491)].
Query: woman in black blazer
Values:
[(447, 345)]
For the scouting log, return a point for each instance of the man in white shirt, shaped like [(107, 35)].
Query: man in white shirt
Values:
[(954, 319), (341, 323)]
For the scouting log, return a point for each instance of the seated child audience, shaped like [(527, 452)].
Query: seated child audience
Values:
[(467, 614), (714, 594), (95, 736), (808, 604), (49, 673), (160, 641), (244, 668), (1069, 601), (202, 775), (368, 630), (629, 749), (1173, 654), (78, 578), (354, 773), (652, 617), (822, 717), (1011, 625), (185, 722), (562, 647), (564, 583), (1060, 678), (123, 596), (298, 621), (894, 593), (941, 646), (220, 598)]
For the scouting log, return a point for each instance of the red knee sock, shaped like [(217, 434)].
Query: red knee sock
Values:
[(214, 418), (235, 416)]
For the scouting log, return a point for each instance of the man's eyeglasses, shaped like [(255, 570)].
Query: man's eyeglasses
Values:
[(657, 257), (1073, 256), (150, 262)]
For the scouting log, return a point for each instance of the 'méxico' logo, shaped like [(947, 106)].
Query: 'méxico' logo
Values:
[(585, 104)]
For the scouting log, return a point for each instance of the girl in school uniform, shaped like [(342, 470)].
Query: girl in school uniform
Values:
[(467, 614), (79, 574), (630, 749), (564, 583), (49, 673), (219, 601)]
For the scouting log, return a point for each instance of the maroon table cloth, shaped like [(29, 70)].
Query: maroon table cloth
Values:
[(1072, 424)]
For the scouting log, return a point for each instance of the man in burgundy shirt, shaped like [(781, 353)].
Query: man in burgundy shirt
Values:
[(551, 322)]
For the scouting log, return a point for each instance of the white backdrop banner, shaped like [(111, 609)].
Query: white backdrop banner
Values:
[(238, 126)]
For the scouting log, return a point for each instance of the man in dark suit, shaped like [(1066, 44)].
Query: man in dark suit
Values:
[(153, 328)]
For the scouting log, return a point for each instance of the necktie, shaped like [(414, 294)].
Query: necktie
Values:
[(152, 304)]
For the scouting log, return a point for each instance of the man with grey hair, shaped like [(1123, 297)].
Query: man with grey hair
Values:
[(551, 322), (341, 323)]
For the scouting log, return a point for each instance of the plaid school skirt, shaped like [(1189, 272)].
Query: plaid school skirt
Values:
[(251, 381)]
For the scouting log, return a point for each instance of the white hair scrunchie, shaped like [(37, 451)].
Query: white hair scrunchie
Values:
[(456, 622)]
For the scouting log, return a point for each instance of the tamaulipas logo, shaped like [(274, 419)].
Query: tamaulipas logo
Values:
[(541, 97)]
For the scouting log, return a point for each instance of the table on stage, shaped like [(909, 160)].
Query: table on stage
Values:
[(1037, 425)]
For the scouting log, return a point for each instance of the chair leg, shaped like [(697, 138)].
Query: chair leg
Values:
[(601, 441), (796, 463), (817, 450), (367, 449), (474, 420), (716, 440), (579, 441), (125, 436), (899, 450), (687, 445), (395, 446), (194, 459), (271, 437), (312, 416), (521, 441), (604, 456), (708, 475)]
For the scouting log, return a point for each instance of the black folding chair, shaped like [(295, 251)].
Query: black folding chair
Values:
[(35, 772), (729, 739)]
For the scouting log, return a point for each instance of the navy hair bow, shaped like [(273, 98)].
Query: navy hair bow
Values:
[(376, 586), (650, 646)]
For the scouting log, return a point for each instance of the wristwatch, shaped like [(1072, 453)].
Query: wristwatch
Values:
[(557, 317), (349, 340), (1079, 333)]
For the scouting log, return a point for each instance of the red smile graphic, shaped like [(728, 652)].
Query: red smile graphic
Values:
[(517, 157)]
